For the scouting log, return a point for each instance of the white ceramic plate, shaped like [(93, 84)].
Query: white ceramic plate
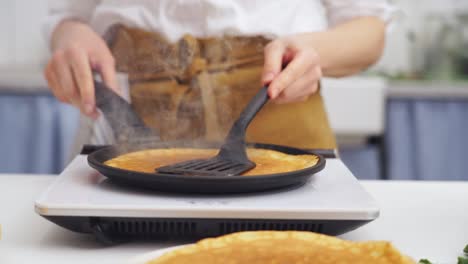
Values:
[(144, 258)]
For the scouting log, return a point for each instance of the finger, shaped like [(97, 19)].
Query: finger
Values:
[(300, 99), (106, 67), (53, 84), (63, 73), (302, 88), (83, 79), (284, 99), (273, 60), (296, 68)]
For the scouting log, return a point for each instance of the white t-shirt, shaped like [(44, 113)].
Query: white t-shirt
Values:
[(202, 18)]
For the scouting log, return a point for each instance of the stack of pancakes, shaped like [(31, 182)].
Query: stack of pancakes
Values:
[(283, 247)]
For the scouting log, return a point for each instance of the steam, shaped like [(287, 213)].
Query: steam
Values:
[(190, 91)]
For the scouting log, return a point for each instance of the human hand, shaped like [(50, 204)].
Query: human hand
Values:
[(77, 50), (302, 72)]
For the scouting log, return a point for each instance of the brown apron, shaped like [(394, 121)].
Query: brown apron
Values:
[(195, 88)]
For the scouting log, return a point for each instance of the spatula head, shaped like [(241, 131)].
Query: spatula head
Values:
[(208, 167), (232, 158)]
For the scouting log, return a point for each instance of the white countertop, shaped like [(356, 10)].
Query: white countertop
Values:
[(422, 219)]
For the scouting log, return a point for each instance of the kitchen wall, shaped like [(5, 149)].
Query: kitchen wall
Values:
[(23, 45), (407, 39)]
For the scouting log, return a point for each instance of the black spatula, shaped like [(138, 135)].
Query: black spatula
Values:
[(126, 125), (232, 158)]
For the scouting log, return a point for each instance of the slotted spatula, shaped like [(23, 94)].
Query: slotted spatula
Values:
[(232, 158)]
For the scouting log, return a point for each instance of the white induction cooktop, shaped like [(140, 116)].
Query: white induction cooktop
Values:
[(333, 194)]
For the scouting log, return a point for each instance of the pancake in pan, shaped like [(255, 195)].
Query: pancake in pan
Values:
[(267, 161)]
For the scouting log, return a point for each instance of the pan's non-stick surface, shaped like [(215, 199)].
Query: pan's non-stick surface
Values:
[(201, 184)]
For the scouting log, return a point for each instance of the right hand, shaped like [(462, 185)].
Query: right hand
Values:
[(77, 50)]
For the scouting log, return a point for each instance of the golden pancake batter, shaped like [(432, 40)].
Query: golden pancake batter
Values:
[(267, 161)]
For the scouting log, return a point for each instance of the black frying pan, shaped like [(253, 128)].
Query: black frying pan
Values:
[(108, 102), (201, 184)]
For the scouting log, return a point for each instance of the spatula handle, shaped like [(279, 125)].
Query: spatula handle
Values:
[(249, 112), (252, 108)]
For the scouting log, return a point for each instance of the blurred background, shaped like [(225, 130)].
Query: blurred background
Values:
[(405, 118)]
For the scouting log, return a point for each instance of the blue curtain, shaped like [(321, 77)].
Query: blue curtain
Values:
[(36, 133), (427, 139), (363, 161)]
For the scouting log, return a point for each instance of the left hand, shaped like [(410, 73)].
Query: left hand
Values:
[(300, 78)]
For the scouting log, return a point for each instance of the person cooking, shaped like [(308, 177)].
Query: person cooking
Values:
[(193, 65)]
